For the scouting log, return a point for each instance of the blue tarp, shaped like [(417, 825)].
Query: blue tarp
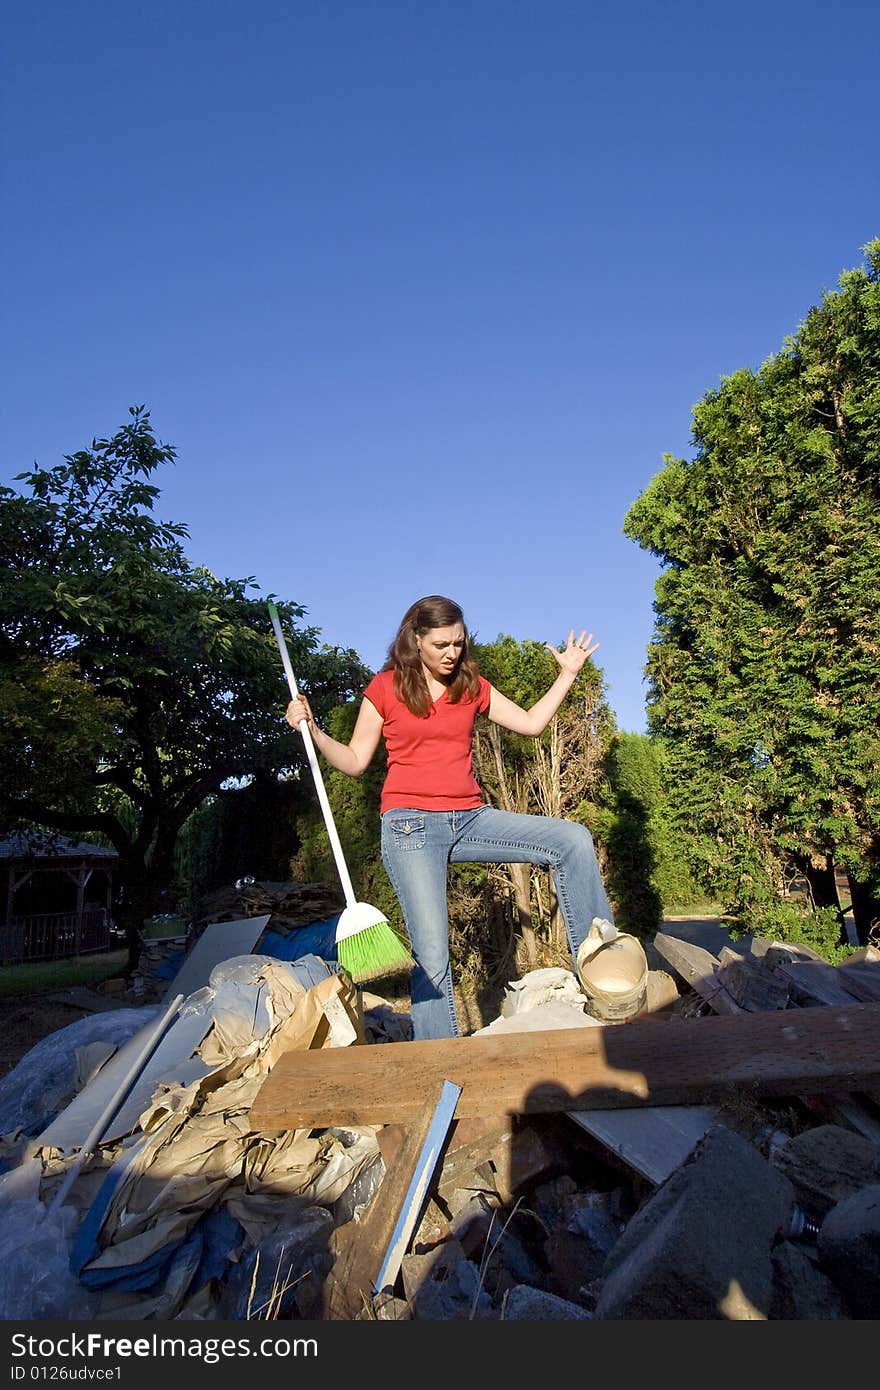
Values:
[(205, 1249), (318, 938)]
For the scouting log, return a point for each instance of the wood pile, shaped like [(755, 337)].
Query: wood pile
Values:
[(768, 975), (158, 960), (290, 904)]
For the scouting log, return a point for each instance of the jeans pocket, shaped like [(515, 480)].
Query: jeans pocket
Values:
[(406, 832)]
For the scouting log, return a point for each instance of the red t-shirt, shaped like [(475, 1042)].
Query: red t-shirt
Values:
[(429, 760)]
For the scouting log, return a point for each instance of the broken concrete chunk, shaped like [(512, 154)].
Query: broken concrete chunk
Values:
[(488, 1237), (849, 1250), (442, 1284), (827, 1164), (686, 1255), (801, 1291), (523, 1303), (390, 1309)]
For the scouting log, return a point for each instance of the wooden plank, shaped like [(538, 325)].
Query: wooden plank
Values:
[(470, 1145), (862, 979), (790, 950), (698, 968), (813, 982), (649, 1061), (823, 987), (359, 1246), (751, 985), (849, 1112)]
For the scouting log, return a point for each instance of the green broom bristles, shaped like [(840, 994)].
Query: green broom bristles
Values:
[(374, 952)]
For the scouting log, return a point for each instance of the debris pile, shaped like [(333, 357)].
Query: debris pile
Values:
[(755, 1200), (158, 962), (302, 914)]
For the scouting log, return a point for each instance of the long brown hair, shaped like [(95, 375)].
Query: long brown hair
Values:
[(403, 657)]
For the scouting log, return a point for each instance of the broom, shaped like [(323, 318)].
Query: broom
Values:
[(366, 943)]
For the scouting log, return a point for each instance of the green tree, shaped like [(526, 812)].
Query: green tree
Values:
[(133, 685), (238, 830), (763, 670), (648, 869), (557, 774)]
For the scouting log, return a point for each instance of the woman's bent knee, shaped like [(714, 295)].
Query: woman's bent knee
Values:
[(578, 838)]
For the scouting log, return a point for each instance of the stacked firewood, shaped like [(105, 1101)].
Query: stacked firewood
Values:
[(290, 904), (159, 959)]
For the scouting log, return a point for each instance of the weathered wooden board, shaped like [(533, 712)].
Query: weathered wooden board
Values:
[(646, 1062), (862, 979), (698, 968), (813, 982), (751, 985), (359, 1246)]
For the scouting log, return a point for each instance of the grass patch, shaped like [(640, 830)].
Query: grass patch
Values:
[(700, 907), (46, 976), (160, 928)]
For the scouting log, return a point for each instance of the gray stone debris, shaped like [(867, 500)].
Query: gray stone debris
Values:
[(701, 1246), (801, 1291), (849, 1250), (826, 1164), (523, 1303)]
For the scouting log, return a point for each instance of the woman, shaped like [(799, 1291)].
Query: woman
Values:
[(423, 703)]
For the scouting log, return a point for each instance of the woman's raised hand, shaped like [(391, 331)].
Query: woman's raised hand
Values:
[(574, 653), (297, 711)]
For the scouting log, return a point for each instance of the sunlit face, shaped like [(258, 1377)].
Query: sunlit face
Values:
[(440, 649)]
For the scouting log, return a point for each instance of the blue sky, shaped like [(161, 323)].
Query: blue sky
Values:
[(421, 292)]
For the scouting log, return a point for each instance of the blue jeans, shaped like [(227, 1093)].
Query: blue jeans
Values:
[(418, 845)]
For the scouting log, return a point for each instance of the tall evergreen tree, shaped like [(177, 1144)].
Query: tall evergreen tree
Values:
[(763, 671)]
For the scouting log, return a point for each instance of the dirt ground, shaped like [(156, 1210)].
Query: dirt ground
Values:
[(26, 1021)]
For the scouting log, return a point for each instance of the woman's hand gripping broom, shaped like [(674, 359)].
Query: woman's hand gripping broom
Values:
[(366, 944)]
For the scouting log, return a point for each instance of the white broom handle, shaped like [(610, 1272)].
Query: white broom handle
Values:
[(313, 764)]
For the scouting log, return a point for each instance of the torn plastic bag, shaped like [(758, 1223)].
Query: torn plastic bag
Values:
[(35, 1279)]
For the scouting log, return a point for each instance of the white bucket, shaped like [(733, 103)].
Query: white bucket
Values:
[(613, 971)]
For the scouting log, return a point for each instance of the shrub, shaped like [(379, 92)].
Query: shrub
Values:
[(797, 924)]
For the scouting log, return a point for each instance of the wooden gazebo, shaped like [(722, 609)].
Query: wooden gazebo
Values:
[(57, 899)]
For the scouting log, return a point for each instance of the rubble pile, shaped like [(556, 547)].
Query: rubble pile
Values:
[(741, 1210), (582, 1240)]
